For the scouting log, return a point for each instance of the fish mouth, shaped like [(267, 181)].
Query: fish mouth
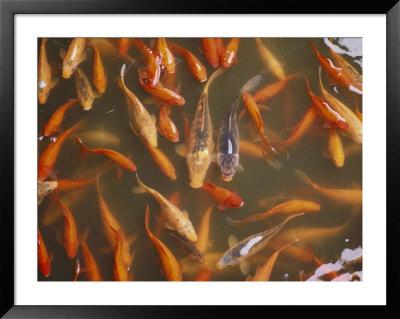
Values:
[(226, 177), (196, 184), (219, 265)]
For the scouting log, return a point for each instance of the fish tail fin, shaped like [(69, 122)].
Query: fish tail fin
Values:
[(146, 219), (251, 84), (213, 76), (314, 48), (79, 141), (234, 222), (84, 236), (44, 42), (270, 153), (303, 176), (140, 183)]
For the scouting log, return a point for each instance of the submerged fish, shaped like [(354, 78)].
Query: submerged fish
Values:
[(84, 90), (45, 83), (200, 146), (73, 57), (175, 218), (250, 245)]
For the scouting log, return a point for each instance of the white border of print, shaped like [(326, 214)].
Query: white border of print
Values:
[(371, 290)]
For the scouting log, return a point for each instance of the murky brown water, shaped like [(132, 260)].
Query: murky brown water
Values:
[(257, 181)]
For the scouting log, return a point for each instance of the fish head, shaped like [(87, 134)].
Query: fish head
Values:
[(86, 102), (198, 164), (68, 68), (43, 92), (227, 165), (234, 201)]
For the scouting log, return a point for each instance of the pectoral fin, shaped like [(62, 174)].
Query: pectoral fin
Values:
[(232, 241), (244, 268)]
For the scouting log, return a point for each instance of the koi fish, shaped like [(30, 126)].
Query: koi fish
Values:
[(211, 51), (326, 111), (335, 148), (354, 130), (153, 63), (123, 45), (57, 117), (228, 143), (268, 151), (229, 56), (344, 196), (99, 75), (189, 248), (204, 275), (100, 137), (67, 184), (171, 268), (175, 218), (50, 154), (111, 225), (287, 207), (159, 157), (174, 198), (263, 273), (273, 89), (351, 72), (115, 156), (73, 57), (250, 245), (166, 56), (203, 231), (167, 127), (337, 73), (91, 266), (71, 241), (45, 188), (223, 196), (197, 69), (140, 118), (270, 60), (121, 269), (45, 83), (200, 145), (250, 149), (84, 90), (163, 94), (44, 258), (228, 136), (300, 129)]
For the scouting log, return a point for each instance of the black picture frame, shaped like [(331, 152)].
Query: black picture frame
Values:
[(8, 10)]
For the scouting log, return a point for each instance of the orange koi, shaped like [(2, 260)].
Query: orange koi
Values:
[(203, 231), (44, 259), (273, 89), (110, 223), (211, 51), (344, 196), (225, 197), (123, 45), (268, 151), (115, 156), (288, 207), (71, 241), (121, 269), (229, 56), (163, 94), (270, 60), (67, 184), (159, 157), (250, 149), (220, 46), (166, 56), (204, 275), (45, 83), (326, 111), (56, 119), (171, 268), (99, 75), (263, 273), (153, 70), (335, 148), (73, 57), (92, 269), (197, 69), (167, 127), (355, 125), (50, 154), (340, 76), (300, 129)]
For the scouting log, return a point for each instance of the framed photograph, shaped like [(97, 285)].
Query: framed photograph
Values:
[(209, 147)]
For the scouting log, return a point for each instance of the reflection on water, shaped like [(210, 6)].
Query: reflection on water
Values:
[(334, 232)]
